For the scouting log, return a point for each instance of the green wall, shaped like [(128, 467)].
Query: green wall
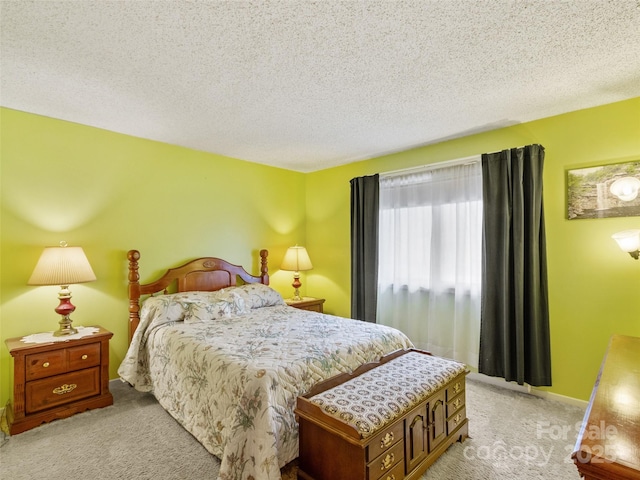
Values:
[(594, 286), (109, 193)]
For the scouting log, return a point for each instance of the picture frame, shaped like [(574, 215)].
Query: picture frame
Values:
[(603, 191)]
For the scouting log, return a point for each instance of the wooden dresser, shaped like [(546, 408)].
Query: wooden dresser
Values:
[(58, 379), (403, 448), (608, 445)]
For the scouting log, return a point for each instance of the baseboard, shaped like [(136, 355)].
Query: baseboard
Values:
[(560, 398), (502, 383)]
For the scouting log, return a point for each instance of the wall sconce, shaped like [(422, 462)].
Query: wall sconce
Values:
[(296, 260), (629, 241), (625, 188), (62, 266)]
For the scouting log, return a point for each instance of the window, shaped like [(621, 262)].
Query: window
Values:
[(430, 258)]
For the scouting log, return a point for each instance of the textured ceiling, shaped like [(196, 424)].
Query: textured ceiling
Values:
[(306, 85)]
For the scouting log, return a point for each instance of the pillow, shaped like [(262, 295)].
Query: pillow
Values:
[(258, 295), (174, 306), (223, 305)]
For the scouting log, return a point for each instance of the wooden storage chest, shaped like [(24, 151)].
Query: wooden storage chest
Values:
[(388, 420)]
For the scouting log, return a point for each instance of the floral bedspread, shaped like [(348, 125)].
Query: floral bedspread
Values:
[(230, 372)]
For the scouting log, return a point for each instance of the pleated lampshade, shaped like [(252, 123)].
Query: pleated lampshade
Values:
[(62, 265)]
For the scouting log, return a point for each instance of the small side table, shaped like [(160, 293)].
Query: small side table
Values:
[(58, 379), (307, 303)]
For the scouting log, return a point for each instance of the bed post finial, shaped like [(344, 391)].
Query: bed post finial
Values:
[(134, 292), (264, 269)]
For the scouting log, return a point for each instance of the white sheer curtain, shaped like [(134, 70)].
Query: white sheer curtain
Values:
[(430, 258)]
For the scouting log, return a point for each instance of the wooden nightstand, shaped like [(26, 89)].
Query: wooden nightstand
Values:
[(58, 379), (307, 303)]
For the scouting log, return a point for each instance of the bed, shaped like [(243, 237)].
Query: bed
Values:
[(227, 358)]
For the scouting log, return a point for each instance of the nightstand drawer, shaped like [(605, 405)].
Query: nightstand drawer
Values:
[(84, 356), (46, 364), (314, 308), (61, 389), (307, 303)]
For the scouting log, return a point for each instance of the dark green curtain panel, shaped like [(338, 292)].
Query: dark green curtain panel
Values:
[(514, 328), (365, 200)]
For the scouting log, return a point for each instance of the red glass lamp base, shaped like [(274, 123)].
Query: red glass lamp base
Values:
[(296, 284), (65, 309)]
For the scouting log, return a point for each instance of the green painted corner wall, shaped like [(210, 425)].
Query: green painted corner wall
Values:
[(594, 287), (109, 193)]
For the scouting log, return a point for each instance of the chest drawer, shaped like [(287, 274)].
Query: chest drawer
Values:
[(454, 405), (455, 389), (456, 420), (397, 473), (386, 462), (384, 440), (60, 389)]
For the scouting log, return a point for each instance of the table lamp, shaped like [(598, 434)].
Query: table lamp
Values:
[(296, 260), (62, 266)]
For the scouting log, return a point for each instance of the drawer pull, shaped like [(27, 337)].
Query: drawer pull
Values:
[(456, 387), (84, 357), (66, 388), (391, 477), (386, 440), (387, 462), (45, 364), (457, 403), (456, 419)]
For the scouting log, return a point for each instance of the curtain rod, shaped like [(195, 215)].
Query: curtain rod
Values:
[(434, 166)]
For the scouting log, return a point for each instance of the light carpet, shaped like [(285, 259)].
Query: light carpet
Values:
[(513, 436)]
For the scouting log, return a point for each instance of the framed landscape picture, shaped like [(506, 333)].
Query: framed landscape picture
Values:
[(604, 191)]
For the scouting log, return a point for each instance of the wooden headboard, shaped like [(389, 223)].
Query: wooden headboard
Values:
[(205, 274)]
